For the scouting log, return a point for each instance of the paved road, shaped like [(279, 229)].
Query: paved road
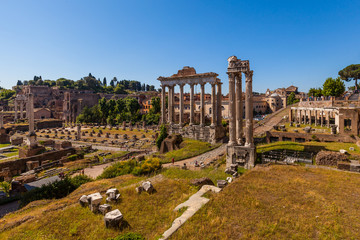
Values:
[(8, 207)]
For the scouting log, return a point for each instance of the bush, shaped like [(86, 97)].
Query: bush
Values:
[(131, 167), (129, 236), (72, 157), (163, 134), (56, 189)]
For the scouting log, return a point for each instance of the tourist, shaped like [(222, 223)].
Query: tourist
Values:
[(173, 161)]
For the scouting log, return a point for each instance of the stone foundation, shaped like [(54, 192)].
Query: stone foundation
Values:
[(241, 156), (197, 132)]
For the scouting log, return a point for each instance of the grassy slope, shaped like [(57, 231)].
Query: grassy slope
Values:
[(309, 146), (188, 148), (281, 202), (149, 215)]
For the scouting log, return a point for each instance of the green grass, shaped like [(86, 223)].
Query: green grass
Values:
[(309, 146), (302, 126), (188, 148), (4, 145)]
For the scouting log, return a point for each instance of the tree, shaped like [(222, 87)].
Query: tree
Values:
[(351, 73), (19, 83), (291, 99), (333, 87), (155, 102), (163, 134), (315, 92), (6, 94), (104, 82)]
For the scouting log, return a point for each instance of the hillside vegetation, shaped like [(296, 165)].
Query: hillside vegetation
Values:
[(281, 202)]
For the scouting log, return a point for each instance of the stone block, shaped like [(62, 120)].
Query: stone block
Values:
[(113, 219), (201, 181), (104, 208), (221, 183), (83, 201), (148, 187)]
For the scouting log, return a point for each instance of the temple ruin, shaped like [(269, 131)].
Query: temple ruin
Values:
[(188, 75), (240, 153)]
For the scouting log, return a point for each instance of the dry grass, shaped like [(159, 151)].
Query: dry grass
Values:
[(149, 215), (281, 202)]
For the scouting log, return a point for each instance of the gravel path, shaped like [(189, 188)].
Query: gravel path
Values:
[(205, 157)]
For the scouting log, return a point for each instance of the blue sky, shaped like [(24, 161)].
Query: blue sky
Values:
[(287, 42)]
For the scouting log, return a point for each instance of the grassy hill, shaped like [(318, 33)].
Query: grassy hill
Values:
[(276, 202), (281, 202)]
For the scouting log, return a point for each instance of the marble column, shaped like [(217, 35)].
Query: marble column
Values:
[(219, 104), (310, 121), (239, 110), (232, 123), (1, 119), (16, 109), (299, 116), (316, 121), (328, 119), (21, 109), (170, 104), (213, 105), (202, 105), (322, 118), (163, 99), (181, 105), (31, 114), (249, 110), (290, 115), (192, 104)]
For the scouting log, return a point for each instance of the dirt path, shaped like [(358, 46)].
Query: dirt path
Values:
[(270, 121)]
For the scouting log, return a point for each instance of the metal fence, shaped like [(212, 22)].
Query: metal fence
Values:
[(287, 156)]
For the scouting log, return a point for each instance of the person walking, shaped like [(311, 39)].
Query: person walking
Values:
[(173, 161)]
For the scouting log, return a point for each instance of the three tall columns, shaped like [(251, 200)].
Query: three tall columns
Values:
[(236, 107)]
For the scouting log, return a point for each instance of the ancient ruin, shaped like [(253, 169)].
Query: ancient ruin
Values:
[(240, 153), (188, 75)]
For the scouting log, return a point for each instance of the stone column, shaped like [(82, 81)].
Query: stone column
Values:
[(213, 105), (299, 116), (191, 104), (290, 115), (232, 123), (310, 122), (170, 104), (181, 105), (239, 110), (2, 119), (163, 99), (202, 105), (31, 114), (219, 104), (16, 109), (78, 132), (249, 110), (322, 118), (328, 118), (315, 113), (21, 109)]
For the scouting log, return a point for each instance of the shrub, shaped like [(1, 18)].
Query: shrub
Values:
[(56, 189), (163, 134), (72, 157), (131, 167)]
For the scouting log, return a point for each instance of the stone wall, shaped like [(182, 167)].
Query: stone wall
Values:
[(197, 132), (18, 166), (306, 137)]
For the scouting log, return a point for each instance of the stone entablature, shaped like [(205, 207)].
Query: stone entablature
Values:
[(189, 76)]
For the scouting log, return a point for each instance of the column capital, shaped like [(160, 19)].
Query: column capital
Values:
[(231, 75), (249, 75)]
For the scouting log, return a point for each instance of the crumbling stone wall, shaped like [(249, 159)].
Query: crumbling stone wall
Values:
[(18, 166), (329, 158)]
